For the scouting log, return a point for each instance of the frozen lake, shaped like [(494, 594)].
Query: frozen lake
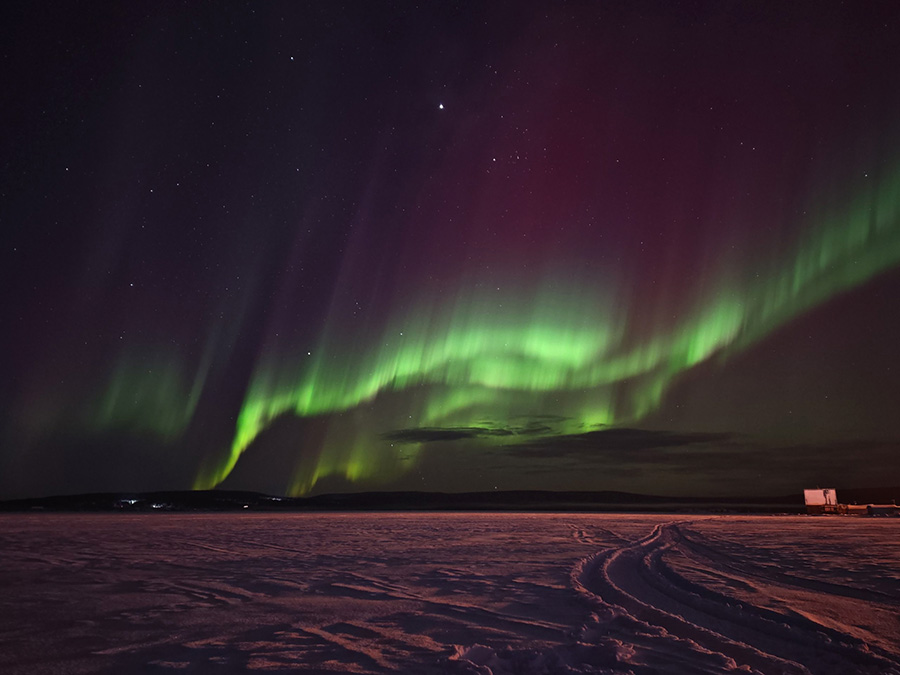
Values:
[(457, 593)]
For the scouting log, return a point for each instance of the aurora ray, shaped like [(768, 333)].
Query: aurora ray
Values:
[(489, 354)]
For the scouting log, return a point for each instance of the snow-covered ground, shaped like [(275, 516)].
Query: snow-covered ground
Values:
[(456, 593)]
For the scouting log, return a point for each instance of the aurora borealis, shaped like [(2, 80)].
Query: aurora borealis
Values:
[(641, 246)]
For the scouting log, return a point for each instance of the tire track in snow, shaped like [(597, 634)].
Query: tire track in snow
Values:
[(689, 543), (638, 588), (597, 536)]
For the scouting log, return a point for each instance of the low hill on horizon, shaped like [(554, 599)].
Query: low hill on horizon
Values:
[(517, 500), (514, 500)]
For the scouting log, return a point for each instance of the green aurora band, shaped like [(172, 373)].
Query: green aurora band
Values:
[(480, 360)]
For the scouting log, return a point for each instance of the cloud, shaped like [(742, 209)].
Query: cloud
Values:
[(605, 441), (520, 425), (545, 440), (435, 434), (533, 451)]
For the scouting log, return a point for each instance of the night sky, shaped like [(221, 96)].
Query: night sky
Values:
[(316, 247)]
